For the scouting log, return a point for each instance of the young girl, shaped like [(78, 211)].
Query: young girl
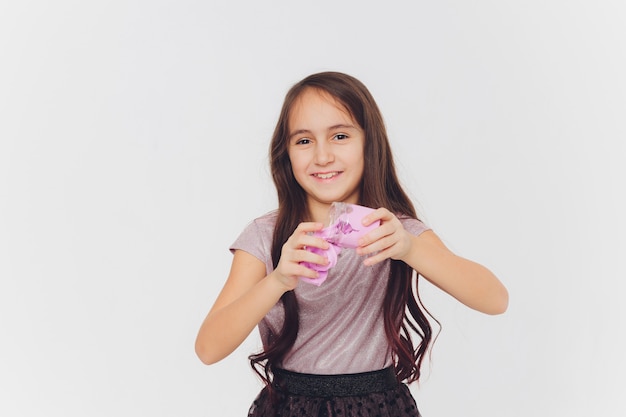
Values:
[(344, 347)]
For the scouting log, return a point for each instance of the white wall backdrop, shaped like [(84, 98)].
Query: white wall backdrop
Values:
[(133, 141)]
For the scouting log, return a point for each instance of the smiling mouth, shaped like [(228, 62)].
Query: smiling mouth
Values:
[(326, 175)]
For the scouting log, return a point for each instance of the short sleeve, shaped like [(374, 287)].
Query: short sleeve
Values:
[(256, 239), (414, 226)]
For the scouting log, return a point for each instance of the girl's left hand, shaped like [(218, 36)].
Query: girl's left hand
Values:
[(389, 240)]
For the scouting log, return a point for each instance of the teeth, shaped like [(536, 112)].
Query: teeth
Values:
[(326, 176)]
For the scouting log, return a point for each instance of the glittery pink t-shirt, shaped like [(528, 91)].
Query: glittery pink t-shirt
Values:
[(341, 321)]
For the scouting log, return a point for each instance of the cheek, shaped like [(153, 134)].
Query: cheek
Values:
[(297, 166), (357, 159)]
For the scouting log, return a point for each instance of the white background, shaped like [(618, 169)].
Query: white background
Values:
[(133, 150)]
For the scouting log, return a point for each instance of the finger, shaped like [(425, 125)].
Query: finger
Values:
[(305, 235), (375, 235), (299, 270), (297, 264), (302, 236), (304, 271), (379, 245), (316, 242), (378, 214), (308, 227), (374, 259), (313, 257)]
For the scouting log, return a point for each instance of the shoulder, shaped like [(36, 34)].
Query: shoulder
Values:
[(256, 236), (266, 222)]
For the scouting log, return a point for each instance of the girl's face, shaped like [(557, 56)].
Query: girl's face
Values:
[(325, 147)]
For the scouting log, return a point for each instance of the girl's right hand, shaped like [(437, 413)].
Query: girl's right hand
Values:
[(294, 252)]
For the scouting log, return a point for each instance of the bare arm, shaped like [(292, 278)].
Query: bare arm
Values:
[(249, 294), (467, 281), (245, 299)]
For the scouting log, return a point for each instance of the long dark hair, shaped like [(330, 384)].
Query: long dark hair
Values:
[(403, 311)]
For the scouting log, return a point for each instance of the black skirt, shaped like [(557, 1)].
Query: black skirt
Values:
[(368, 394)]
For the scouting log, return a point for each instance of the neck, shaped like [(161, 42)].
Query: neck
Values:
[(319, 212)]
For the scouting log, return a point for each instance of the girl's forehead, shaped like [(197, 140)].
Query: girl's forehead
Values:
[(314, 101)]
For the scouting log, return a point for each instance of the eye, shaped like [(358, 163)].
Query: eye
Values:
[(340, 136), (303, 141)]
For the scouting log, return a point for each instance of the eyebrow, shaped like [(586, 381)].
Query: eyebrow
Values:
[(334, 127)]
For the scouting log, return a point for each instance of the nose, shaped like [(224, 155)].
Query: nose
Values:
[(323, 154)]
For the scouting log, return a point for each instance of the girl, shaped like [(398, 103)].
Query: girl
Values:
[(345, 347)]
